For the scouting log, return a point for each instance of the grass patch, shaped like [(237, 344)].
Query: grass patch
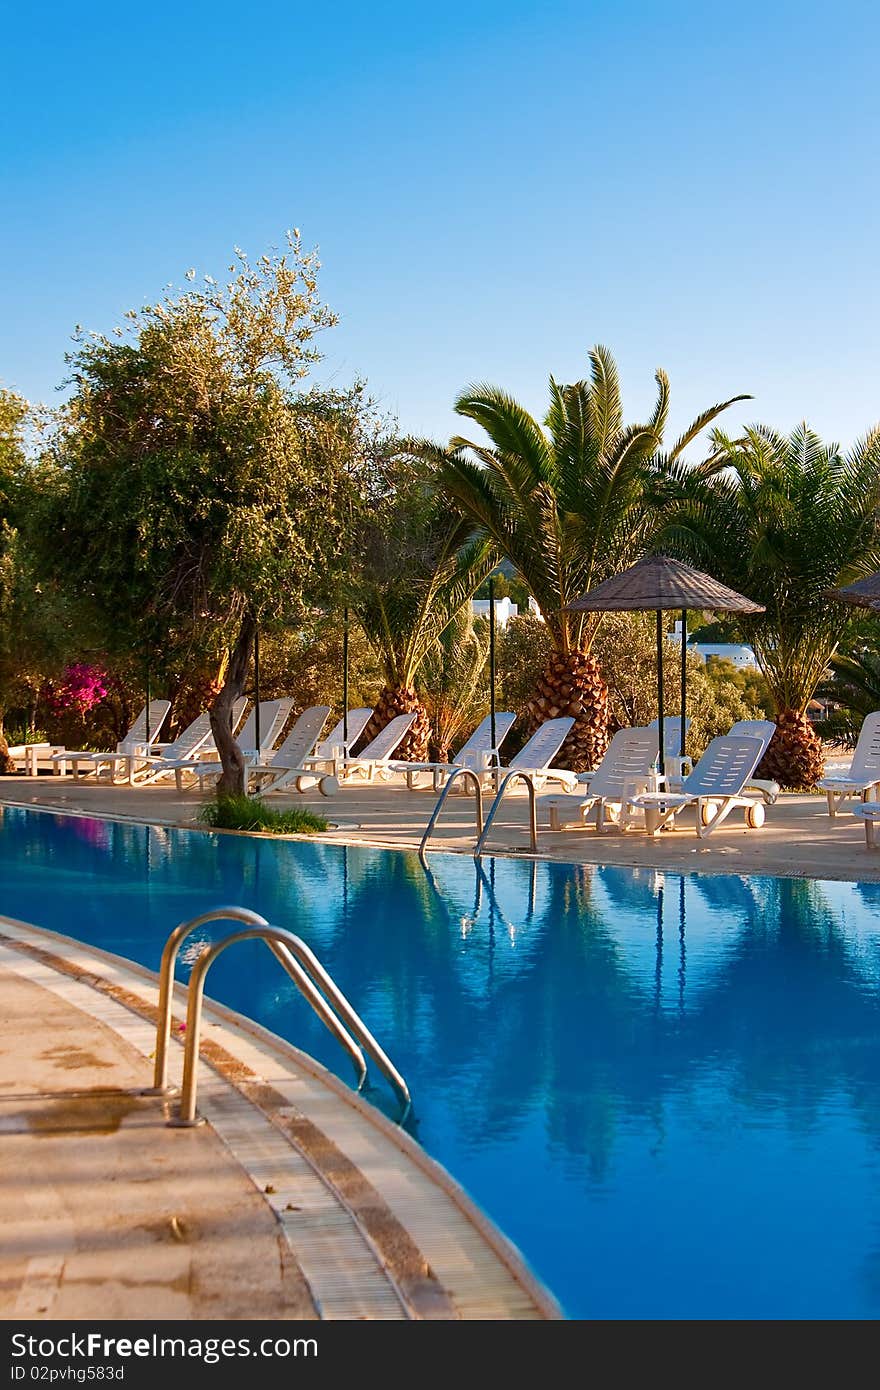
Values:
[(250, 813)]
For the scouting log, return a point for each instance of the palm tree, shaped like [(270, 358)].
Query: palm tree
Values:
[(784, 519), (454, 676), (567, 505), (419, 564)]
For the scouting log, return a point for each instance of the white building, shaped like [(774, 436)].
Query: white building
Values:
[(737, 653), (504, 609)]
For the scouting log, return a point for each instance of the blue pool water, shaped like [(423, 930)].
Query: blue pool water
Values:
[(665, 1090)]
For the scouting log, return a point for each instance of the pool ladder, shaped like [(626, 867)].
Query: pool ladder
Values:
[(307, 973), (483, 828)]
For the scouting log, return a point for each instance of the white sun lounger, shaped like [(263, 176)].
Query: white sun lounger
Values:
[(378, 752), (862, 777), (187, 748), (324, 758), (132, 745), (869, 812), (477, 752), (535, 756), (287, 766), (273, 717), (715, 787), (671, 734), (624, 772), (763, 729)]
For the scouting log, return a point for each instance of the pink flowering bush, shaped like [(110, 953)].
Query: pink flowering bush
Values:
[(81, 688)]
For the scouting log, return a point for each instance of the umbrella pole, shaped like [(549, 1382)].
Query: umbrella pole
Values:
[(683, 679), (660, 730)]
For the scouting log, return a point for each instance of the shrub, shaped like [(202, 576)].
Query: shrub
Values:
[(250, 813)]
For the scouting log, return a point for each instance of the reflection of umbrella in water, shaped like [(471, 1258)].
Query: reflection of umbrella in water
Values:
[(659, 583)]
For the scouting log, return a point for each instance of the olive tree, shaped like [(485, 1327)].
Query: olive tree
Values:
[(197, 491)]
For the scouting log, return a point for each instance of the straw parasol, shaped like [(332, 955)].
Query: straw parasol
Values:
[(660, 583), (864, 593)]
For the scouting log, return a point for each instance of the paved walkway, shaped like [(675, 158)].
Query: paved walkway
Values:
[(296, 1200)]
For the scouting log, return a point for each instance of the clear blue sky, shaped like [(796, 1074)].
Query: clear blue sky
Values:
[(493, 188)]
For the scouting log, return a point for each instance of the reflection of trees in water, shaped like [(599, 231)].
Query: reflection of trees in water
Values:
[(785, 1020), (791, 1013)]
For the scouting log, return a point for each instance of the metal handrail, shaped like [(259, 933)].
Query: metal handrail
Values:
[(307, 973), (166, 980), (499, 797), (459, 772)]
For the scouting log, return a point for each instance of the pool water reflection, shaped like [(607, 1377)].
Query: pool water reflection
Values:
[(664, 1089)]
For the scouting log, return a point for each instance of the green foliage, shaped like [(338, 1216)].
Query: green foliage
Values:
[(34, 619), (250, 813), (854, 683), (750, 683), (782, 520), (455, 681), (416, 563), (189, 483), (522, 649), (306, 664), (566, 504), (717, 694)]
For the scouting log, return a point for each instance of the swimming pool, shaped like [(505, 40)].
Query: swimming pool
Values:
[(664, 1089)]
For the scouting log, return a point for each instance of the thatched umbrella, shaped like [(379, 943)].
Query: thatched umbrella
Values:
[(864, 593), (660, 583)]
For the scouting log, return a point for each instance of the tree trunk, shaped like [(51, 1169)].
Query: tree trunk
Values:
[(7, 766), (232, 779), (572, 684), (795, 758), (401, 699)]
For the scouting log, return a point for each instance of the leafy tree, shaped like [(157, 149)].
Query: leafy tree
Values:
[(32, 621), (783, 520), (567, 505), (195, 493), (417, 563)]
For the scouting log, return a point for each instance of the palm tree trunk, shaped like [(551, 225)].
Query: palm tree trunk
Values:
[(795, 758), (572, 684), (231, 781), (401, 699)]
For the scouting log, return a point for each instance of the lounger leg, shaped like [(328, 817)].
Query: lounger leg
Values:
[(723, 812)]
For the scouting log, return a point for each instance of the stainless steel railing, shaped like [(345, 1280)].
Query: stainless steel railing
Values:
[(304, 969), (499, 797), (441, 801)]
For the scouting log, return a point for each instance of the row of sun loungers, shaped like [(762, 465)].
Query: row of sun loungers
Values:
[(625, 790)]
